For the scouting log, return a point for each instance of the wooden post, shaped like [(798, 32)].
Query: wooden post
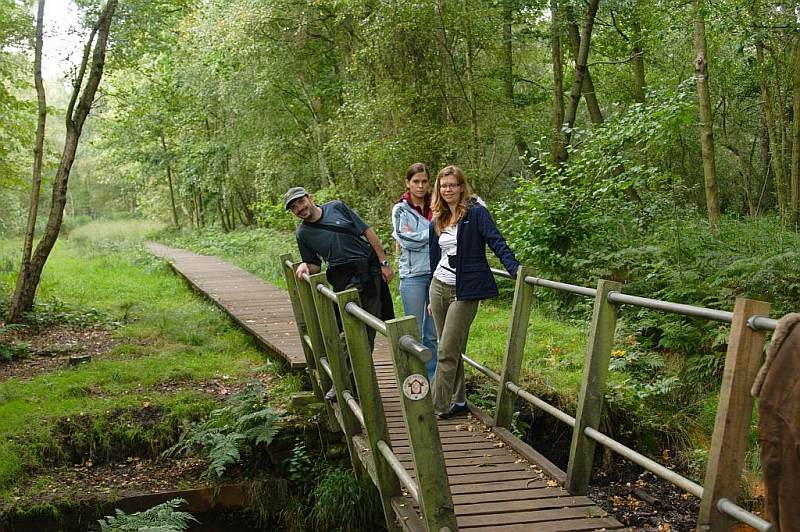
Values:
[(371, 404), (337, 360), (436, 501), (593, 386), (515, 347), (734, 415), (323, 382), (297, 308)]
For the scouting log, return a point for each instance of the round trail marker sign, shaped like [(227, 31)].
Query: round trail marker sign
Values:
[(416, 387)]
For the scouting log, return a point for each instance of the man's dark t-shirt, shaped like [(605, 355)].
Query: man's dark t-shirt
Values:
[(334, 247)]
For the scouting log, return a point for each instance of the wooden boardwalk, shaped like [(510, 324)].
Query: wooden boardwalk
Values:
[(258, 307), (493, 487)]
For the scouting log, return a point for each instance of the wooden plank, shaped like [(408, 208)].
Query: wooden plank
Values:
[(451, 445), (503, 476), (481, 461), (557, 526), (466, 454), (511, 495), (409, 519), (531, 455), (485, 467), (498, 507), (503, 485), (337, 360), (202, 273), (538, 516)]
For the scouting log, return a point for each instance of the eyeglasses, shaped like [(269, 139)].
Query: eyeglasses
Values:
[(446, 186)]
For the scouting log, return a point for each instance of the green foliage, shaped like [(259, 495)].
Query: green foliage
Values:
[(342, 503), (160, 518), (17, 112), (567, 218), (484, 396), (519, 426), (275, 216), (300, 463), (15, 349), (244, 421), (55, 312)]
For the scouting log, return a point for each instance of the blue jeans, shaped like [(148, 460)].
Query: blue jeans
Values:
[(414, 293)]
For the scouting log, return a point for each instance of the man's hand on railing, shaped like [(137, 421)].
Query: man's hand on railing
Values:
[(306, 269)]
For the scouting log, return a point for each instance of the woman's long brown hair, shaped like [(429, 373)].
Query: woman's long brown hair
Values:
[(442, 215)]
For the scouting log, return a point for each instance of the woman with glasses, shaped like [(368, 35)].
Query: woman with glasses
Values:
[(460, 230), (411, 217)]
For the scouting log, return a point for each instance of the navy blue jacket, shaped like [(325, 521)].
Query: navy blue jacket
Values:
[(474, 279)]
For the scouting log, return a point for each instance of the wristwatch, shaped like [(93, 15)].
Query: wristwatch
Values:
[(385, 262)]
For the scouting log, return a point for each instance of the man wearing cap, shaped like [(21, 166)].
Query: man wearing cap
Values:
[(334, 233)]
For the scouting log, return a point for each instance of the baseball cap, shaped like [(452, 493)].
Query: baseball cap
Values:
[(293, 194)]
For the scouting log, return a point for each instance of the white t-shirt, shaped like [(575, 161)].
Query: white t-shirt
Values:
[(447, 241)]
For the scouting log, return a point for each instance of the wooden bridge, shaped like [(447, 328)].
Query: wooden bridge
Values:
[(470, 472)]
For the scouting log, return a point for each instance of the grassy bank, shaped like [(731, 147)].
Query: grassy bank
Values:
[(164, 345)]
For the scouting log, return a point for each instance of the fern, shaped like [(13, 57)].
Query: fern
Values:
[(244, 421), (160, 518), (224, 451)]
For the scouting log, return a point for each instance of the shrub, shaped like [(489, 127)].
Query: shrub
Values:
[(244, 421), (163, 517)]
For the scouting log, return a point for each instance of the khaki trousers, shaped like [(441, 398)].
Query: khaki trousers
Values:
[(453, 319)]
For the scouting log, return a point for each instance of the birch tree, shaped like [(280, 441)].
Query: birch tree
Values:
[(90, 72)]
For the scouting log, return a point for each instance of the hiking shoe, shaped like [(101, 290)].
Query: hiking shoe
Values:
[(453, 411), (331, 395)]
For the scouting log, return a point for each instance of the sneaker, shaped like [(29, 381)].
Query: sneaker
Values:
[(453, 411), (331, 395)]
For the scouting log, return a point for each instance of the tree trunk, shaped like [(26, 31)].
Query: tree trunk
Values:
[(75, 118), (772, 120), (637, 53), (795, 188), (580, 74), (223, 219), (198, 206), (773, 133), (558, 79), (589, 94), (471, 94), (15, 312), (706, 119), (249, 215), (508, 75), (747, 174), (169, 182)]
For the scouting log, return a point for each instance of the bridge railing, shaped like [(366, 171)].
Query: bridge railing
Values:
[(748, 321), (344, 361)]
